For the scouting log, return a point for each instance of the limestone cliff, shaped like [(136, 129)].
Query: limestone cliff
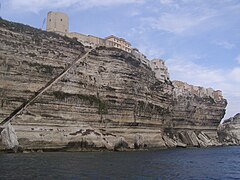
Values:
[(109, 100), (196, 113), (229, 131)]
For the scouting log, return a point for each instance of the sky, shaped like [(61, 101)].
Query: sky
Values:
[(198, 39)]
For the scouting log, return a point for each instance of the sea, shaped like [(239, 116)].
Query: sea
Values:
[(190, 163)]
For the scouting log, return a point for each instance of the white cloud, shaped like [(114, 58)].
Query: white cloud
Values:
[(238, 59), (224, 44), (37, 5), (181, 68), (150, 51), (135, 13), (235, 74), (179, 16), (166, 1), (177, 22)]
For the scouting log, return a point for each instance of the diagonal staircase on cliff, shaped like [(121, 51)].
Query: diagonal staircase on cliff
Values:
[(42, 90)]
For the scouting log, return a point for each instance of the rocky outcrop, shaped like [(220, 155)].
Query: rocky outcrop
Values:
[(196, 113), (8, 137), (229, 131), (109, 100)]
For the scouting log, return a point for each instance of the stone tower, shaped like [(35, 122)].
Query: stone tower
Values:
[(57, 22)]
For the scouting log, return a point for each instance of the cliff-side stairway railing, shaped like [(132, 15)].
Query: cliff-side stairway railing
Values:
[(41, 91)]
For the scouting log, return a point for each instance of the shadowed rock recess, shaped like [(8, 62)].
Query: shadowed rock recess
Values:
[(109, 100)]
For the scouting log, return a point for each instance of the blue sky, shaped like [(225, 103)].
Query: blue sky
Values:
[(198, 39)]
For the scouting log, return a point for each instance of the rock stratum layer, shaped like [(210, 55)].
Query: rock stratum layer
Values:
[(110, 100), (229, 131)]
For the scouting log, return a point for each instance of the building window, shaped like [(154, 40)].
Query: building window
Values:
[(50, 20), (61, 19)]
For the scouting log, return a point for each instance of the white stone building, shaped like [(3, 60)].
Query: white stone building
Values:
[(160, 69)]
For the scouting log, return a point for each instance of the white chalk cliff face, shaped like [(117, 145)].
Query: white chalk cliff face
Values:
[(109, 100)]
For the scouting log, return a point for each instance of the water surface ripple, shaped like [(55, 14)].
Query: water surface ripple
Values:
[(208, 163)]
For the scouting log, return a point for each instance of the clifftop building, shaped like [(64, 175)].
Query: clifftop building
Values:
[(190, 90), (57, 22), (119, 43)]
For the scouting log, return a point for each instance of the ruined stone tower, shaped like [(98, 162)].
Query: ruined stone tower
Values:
[(57, 22)]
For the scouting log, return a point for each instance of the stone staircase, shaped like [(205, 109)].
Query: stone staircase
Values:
[(21, 108)]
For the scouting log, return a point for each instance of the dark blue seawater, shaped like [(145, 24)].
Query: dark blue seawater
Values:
[(209, 163)]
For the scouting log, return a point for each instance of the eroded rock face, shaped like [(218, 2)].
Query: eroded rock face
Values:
[(9, 138), (196, 114), (109, 100), (229, 131)]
